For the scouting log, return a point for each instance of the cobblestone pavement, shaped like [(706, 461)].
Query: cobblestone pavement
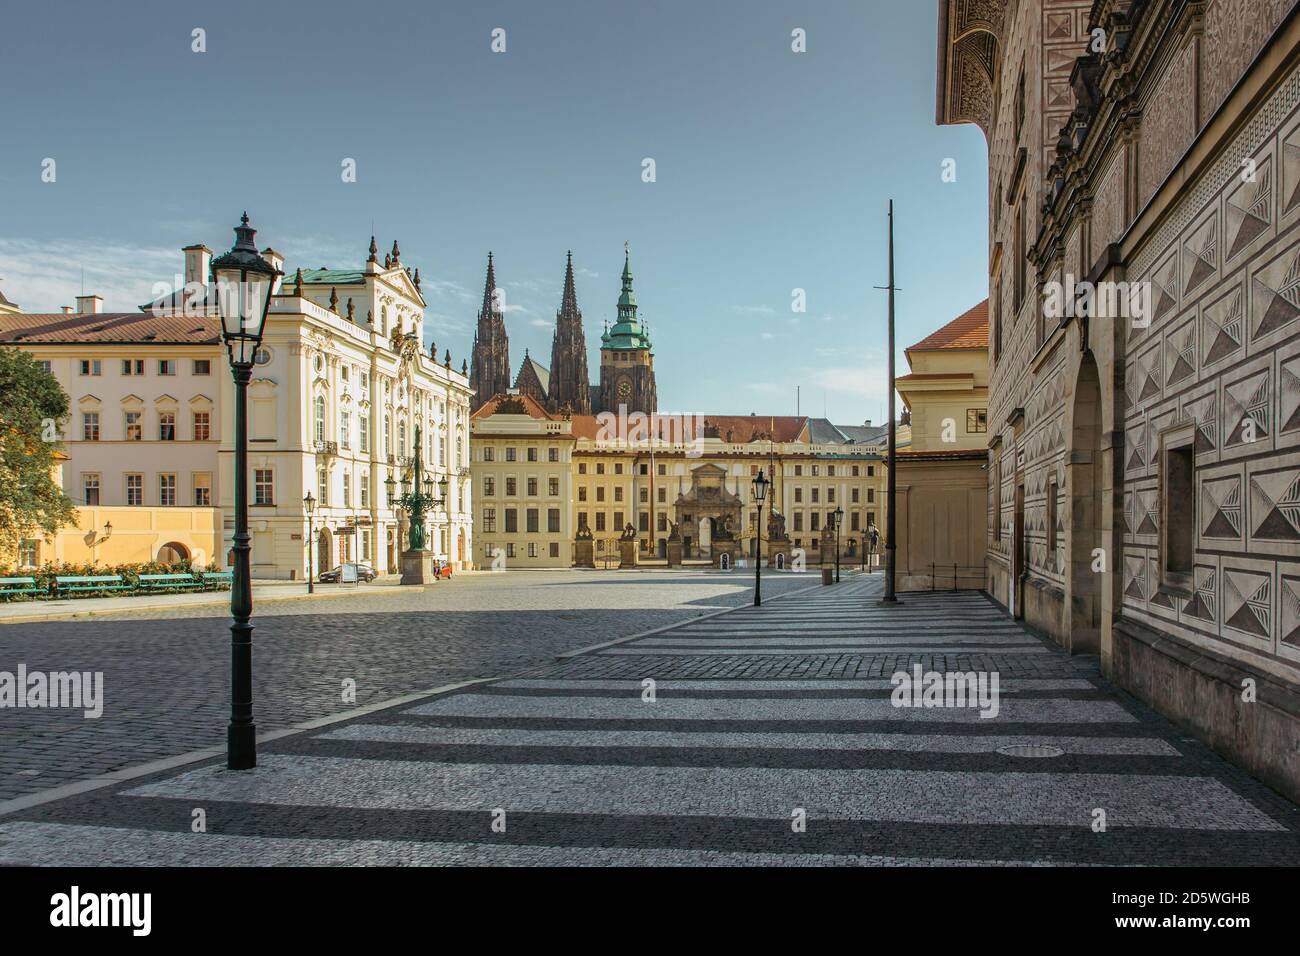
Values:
[(167, 672), (760, 719)]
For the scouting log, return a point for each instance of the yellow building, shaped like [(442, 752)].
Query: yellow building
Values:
[(942, 481), (539, 477)]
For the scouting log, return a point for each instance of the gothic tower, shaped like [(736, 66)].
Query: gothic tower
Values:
[(490, 374), (569, 383), (627, 366)]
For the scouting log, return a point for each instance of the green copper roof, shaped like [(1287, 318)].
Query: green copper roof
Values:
[(329, 277), (627, 332)]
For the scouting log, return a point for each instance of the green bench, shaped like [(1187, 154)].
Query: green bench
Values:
[(219, 578), (21, 586), (90, 582), (155, 582)]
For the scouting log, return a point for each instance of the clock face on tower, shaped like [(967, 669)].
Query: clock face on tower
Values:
[(624, 389)]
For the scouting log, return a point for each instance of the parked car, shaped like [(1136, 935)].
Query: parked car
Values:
[(364, 572)]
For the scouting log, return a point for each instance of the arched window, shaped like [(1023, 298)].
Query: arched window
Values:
[(401, 438), (320, 417), (388, 433)]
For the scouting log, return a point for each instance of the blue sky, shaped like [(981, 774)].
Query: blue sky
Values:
[(773, 169)]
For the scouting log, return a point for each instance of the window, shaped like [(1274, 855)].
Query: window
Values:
[(29, 553), (798, 521), (552, 454), (90, 489), (347, 489), (618, 468), (512, 521), (663, 521), (582, 519), (555, 549), (871, 471), (489, 486), (530, 519), (1177, 508), (855, 519), (798, 496), (133, 429), (532, 487), (871, 495), (363, 435), (816, 470), (853, 495), (322, 487), (532, 549), (264, 486), (553, 520), (510, 453), (977, 420), (388, 432), (166, 426), (45, 365), (816, 495), (166, 366), (488, 453), (90, 367), (135, 490), (814, 521), (1051, 523), (401, 437), (1020, 105), (202, 367), (830, 471), (511, 486), (618, 521), (600, 521), (645, 495), (582, 492), (830, 496), (319, 415), (345, 437), (600, 467), (202, 426), (132, 366), (855, 471), (510, 549), (600, 492), (552, 486), (489, 520), (90, 426), (798, 471), (365, 489), (1020, 257), (582, 467), (995, 492), (663, 494), (202, 490), (618, 492), (532, 453), (643, 521), (167, 490)]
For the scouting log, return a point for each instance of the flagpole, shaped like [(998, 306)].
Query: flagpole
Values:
[(891, 467)]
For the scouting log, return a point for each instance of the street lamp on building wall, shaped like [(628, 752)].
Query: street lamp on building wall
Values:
[(309, 502), (760, 484), (243, 281)]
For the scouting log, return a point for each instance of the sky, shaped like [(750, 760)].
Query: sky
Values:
[(772, 169)]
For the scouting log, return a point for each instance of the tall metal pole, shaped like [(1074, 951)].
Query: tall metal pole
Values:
[(758, 556), (311, 560), (837, 550), (891, 517), (241, 735)]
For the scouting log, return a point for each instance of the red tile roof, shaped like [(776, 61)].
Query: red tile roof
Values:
[(970, 330), (531, 407), (109, 328)]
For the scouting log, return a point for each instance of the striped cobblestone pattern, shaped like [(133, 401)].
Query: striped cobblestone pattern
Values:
[(760, 717)]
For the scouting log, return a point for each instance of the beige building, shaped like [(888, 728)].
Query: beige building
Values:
[(942, 484), (1144, 442), (540, 476), (343, 380)]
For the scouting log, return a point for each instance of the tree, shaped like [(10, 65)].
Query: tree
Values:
[(33, 412)]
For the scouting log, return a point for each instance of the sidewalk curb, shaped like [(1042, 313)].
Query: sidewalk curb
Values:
[(669, 627), (198, 756), (84, 613)]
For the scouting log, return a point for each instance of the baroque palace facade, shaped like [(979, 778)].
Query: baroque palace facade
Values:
[(342, 383), (1144, 468), (627, 372), (541, 478)]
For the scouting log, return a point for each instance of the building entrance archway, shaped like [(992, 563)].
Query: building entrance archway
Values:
[(1083, 481)]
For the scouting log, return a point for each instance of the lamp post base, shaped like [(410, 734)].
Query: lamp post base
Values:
[(417, 567), (241, 747)]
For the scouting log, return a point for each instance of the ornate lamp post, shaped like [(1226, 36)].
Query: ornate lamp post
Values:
[(839, 520), (416, 499), (243, 281), (760, 484), (309, 502)]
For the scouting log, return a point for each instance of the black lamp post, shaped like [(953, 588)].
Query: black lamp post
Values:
[(243, 281), (417, 497), (309, 502), (839, 520), (760, 484)]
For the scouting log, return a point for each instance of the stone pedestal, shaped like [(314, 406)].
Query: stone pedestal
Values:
[(584, 553), (727, 548), (826, 548), (628, 551), (674, 554), (778, 554), (417, 567)]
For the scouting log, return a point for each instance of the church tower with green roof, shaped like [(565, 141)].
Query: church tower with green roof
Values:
[(627, 363)]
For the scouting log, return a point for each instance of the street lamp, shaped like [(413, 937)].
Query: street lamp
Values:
[(839, 520), (309, 502), (243, 281), (760, 484), (416, 499)]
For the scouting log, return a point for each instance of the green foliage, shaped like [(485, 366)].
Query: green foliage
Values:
[(33, 413), (130, 573)]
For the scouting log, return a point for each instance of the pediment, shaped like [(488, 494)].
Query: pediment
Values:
[(132, 400), (165, 399)]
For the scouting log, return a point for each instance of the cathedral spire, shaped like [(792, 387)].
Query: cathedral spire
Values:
[(489, 290), (490, 369), (569, 384)]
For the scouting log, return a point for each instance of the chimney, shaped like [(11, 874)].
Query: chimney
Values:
[(867, 423), (67, 310), (89, 305), (197, 261), (277, 260)]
